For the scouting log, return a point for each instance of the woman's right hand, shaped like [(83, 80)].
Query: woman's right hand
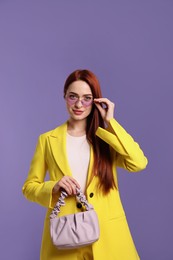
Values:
[(67, 183)]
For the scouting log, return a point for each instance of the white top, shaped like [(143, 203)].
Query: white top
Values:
[(78, 154)]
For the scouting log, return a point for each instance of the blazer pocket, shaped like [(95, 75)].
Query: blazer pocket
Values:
[(116, 218)]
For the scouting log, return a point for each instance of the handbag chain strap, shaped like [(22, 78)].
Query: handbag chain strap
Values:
[(80, 197)]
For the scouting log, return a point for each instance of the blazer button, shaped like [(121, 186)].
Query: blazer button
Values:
[(91, 194), (79, 205)]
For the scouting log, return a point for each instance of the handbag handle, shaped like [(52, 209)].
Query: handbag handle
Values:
[(79, 196)]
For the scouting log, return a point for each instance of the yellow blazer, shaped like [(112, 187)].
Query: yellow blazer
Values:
[(50, 157)]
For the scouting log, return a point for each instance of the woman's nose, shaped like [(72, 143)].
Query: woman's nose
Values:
[(78, 103)]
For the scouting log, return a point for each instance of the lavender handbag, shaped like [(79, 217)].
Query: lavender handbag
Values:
[(74, 230)]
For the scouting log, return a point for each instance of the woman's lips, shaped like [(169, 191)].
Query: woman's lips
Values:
[(77, 112)]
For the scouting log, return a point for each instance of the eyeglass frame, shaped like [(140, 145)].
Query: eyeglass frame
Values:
[(77, 99)]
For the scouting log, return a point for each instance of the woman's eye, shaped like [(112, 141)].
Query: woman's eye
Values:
[(72, 97), (88, 98)]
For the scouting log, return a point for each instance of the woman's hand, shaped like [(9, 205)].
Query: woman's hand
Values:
[(106, 108), (67, 183)]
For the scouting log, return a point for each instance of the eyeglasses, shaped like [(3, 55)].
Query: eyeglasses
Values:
[(86, 100)]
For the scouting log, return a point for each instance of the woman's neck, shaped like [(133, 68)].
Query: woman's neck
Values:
[(76, 128)]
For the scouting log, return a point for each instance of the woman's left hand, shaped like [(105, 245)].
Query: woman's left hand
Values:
[(105, 107)]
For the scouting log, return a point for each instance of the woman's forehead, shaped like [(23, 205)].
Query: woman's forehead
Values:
[(79, 87)]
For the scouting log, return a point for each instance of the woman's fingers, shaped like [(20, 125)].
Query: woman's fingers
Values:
[(105, 103), (71, 184), (105, 107), (68, 184)]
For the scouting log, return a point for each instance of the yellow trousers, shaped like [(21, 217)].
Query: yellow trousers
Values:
[(85, 253)]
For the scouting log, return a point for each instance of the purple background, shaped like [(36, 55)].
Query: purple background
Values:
[(129, 46)]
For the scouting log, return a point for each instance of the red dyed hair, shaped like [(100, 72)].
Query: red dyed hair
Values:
[(102, 157)]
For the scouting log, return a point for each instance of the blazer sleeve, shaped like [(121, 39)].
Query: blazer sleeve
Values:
[(128, 153), (35, 188)]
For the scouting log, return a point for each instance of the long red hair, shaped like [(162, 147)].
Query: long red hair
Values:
[(102, 157)]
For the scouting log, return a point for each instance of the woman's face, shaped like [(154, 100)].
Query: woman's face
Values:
[(79, 100)]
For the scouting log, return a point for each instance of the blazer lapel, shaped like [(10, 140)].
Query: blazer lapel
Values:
[(57, 141), (89, 176)]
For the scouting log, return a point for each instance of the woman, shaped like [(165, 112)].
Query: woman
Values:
[(84, 152)]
